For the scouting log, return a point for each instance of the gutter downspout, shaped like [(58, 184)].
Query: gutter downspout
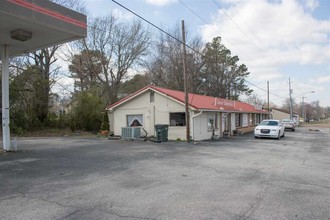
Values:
[(193, 123)]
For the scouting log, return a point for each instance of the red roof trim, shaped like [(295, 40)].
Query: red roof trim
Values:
[(48, 12), (199, 102)]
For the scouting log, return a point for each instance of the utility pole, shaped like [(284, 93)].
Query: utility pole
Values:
[(185, 83), (290, 93), (268, 100), (303, 107)]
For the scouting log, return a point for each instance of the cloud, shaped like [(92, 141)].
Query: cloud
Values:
[(323, 79), (269, 35), (311, 4), (265, 25), (272, 33), (160, 2)]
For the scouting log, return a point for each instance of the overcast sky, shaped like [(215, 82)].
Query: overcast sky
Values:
[(277, 40)]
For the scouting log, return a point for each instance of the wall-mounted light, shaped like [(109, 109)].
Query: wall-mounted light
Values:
[(21, 35)]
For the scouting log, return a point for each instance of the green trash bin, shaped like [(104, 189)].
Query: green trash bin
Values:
[(161, 132)]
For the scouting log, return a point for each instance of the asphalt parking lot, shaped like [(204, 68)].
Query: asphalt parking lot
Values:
[(235, 178)]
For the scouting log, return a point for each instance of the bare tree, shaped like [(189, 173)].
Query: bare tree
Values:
[(44, 61), (75, 5), (211, 71), (254, 99), (122, 47), (166, 66)]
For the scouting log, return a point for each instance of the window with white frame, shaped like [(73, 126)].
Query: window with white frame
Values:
[(134, 120)]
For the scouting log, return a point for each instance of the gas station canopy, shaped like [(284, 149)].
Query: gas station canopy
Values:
[(29, 25), (26, 26)]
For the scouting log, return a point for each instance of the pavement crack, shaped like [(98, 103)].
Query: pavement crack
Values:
[(123, 216), (198, 165), (307, 184), (254, 205), (10, 197), (71, 214), (23, 195)]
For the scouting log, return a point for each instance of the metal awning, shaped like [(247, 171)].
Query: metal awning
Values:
[(48, 23)]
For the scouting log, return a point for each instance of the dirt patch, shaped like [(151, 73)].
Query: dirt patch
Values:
[(320, 124), (56, 133)]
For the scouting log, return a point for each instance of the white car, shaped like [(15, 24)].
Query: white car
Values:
[(269, 128), (289, 124)]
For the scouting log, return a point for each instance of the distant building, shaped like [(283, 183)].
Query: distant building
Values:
[(60, 106), (280, 114)]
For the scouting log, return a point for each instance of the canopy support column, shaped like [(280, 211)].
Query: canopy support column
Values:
[(5, 98)]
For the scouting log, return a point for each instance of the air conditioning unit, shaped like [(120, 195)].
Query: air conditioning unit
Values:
[(130, 132)]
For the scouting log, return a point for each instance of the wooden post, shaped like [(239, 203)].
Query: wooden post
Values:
[(185, 83), (290, 95), (268, 100)]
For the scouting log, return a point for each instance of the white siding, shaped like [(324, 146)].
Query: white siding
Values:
[(278, 115), (158, 112), (200, 127), (163, 107), (138, 105), (111, 121), (153, 113), (233, 126), (245, 120)]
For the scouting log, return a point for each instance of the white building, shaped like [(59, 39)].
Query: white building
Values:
[(280, 114), (210, 117)]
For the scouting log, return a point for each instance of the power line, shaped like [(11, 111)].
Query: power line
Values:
[(280, 69), (264, 90), (155, 26), (196, 14), (200, 17), (205, 22), (168, 34), (192, 11), (232, 20)]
